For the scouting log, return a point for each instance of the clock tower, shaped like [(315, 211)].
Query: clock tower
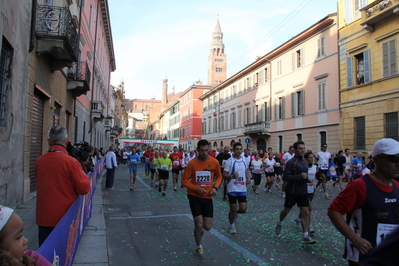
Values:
[(217, 58)]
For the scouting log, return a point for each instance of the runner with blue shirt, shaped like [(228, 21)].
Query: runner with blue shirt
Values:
[(133, 160)]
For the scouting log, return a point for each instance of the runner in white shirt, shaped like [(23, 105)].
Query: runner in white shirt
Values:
[(238, 175), (323, 158), (269, 171), (257, 168)]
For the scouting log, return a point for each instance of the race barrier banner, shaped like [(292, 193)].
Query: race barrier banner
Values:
[(61, 245)]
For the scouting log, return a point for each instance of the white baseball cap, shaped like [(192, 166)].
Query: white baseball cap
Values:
[(5, 214), (385, 146)]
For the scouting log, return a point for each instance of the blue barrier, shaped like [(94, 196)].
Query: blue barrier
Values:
[(61, 245)]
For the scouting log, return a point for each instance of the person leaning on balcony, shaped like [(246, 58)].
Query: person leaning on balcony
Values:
[(59, 180)]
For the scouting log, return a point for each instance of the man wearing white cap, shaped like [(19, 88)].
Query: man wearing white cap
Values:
[(371, 203)]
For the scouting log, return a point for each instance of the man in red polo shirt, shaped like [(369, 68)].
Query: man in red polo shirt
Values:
[(176, 157)]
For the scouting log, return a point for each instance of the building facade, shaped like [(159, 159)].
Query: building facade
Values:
[(289, 94), (56, 61), (369, 91)]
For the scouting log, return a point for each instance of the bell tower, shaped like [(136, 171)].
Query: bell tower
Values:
[(217, 58)]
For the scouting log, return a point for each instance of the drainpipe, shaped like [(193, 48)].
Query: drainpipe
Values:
[(92, 78), (33, 26)]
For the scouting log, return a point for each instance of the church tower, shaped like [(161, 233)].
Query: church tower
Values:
[(217, 58)]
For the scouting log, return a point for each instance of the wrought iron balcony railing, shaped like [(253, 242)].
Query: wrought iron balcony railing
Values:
[(54, 24), (258, 128)]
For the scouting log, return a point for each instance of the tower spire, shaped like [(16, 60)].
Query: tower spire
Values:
[(217, 57)]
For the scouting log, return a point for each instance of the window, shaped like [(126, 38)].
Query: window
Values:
[(298, 136), (266, 111), (279, 67), (221, 126), (233, 120), (239, 117), (280, 144), (5, 76), (234, 91), (391, 125), (218, 69), (321, 46), (352, 9), (256, 79), (297, 59), (321, 96), (204, 128), (360, 132), (247, 116), (362, 71), (247, 85), (256, 114), (323, 137), (215, 124), (279, 105), (389, 58), (298, 103), (209, 126), (227, 121), (266, 74)]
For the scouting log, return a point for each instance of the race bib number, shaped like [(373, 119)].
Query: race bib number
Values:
[(257, 170), (239, 181), (176, 163), (164, 167), (324, 167), (270, 169), (383, 230), (203, 178)]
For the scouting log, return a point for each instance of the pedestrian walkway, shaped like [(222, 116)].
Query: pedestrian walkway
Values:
[(92, 249)]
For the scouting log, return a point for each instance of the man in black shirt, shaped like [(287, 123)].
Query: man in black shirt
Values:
[(222, 158)]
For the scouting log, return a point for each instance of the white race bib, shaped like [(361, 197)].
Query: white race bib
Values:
[(203, 178)]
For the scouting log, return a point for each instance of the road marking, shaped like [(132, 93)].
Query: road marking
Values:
[(226, 240), (144, 183)]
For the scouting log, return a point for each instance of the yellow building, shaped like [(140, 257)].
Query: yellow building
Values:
[(369, 81)]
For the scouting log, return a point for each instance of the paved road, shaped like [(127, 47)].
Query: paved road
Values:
[(144, 228)]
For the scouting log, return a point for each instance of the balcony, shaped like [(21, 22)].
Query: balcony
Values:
[(79, 79), (114, 132), (258, 128), (56, 36), (107, 123), (378, 12), (97, 108)]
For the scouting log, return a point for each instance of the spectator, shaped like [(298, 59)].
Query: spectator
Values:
[(110, 165), (59, 179)]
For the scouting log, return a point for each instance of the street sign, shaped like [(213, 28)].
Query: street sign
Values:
[(247, 140), (189, 142)]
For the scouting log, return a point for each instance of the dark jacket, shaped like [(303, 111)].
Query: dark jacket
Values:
[(296, 184)]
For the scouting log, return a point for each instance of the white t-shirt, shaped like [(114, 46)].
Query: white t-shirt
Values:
[(270, 163), (312, 174), (323, 159), (257, 164), (287, 156), (240, 166)]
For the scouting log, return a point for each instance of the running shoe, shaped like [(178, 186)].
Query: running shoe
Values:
[(269, 190), (308, 240), (163, 194), (298, 221), (131, 188), (278, 229), (311, 230), (175, 189), (199, 253), (326, 195), (233, 230), (256, 192)]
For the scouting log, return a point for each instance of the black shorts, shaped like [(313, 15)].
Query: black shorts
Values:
[(340, 171), (152, 170), (323, 172), (278, 170), (257, 178), (200, 206), (234, 199), (299, 200), (163, 174), (270, 174), (310, 196), (176, 171)]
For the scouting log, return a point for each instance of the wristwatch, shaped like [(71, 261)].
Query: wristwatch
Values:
[(216, 188)]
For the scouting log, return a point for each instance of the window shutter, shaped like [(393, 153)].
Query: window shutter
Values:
[(275, 109), (249, 116), (392, 56), (293, 60), (319, 47), (268, 110), (347, 7), (293, 104), (319, 88), (283, 107), (262, 113), (385, 59), (302, 57), (366, 56), (349, 74), (302, 103)]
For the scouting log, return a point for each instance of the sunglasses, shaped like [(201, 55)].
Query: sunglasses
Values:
[(391, 158)]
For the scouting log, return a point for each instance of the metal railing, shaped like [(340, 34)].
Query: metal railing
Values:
[(258, 127), (56, 22)]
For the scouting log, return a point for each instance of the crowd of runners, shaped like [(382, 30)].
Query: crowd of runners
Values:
[(296, 174)]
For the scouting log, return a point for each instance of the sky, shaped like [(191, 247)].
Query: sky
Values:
[(158, 39)]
